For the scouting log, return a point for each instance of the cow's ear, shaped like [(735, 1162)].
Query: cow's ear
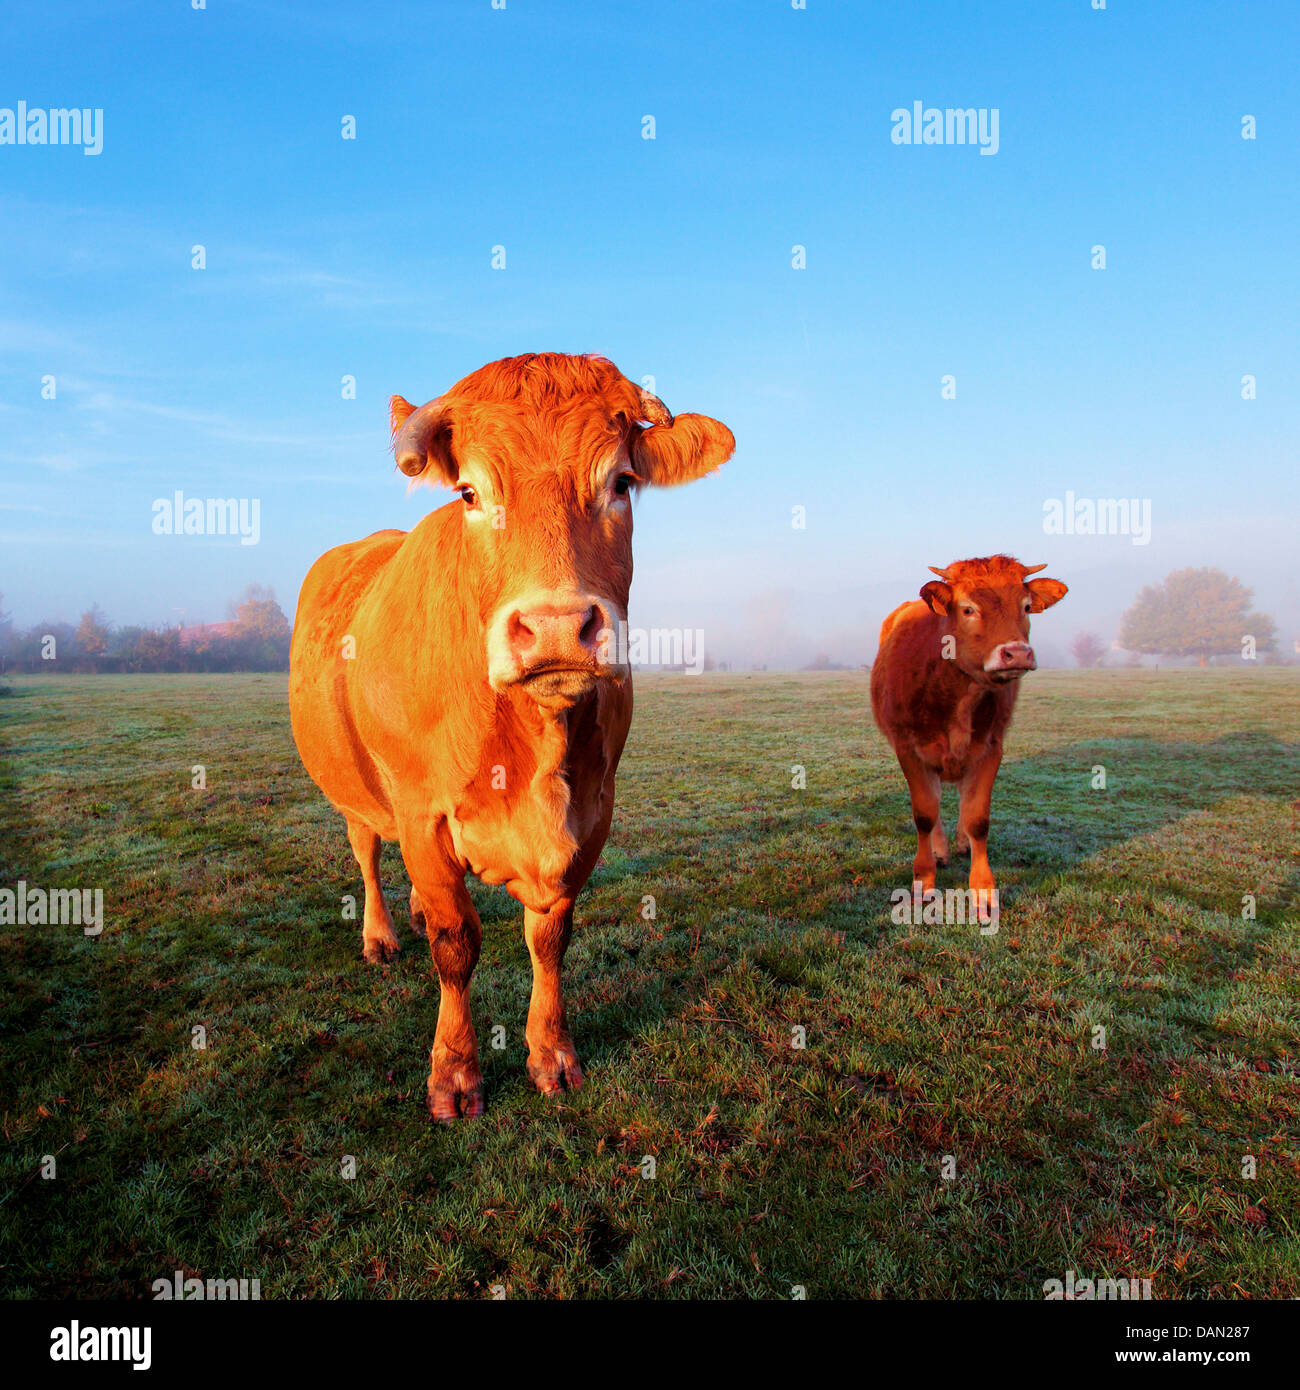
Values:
[(938, 595), (685, 448), (422, 440), (1044, 592)]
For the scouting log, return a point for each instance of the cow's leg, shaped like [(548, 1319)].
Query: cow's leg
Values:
[(379, 942), (976, 798), (938, 839), (419, 924), (924, 786), (455, 935), (961, 843), (552, 1058)]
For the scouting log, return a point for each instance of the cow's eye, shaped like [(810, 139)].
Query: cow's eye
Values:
[(468, 495), (968, 610), (624, 483)]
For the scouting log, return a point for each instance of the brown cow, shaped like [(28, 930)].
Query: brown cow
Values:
[(943, 687), (459, 688)]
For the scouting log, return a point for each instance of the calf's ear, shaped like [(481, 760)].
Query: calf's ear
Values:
[(422, 440), (938, 595), (680, 449), (1044, 592)]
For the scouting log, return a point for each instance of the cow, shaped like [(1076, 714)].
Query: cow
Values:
[(943, 687), (462, 688)]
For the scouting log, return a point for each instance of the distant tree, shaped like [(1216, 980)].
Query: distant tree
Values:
[(261, 636), (93, 632), (6, 635), (1195, 612), (28, 649), (159, 649), (1088, 649), (822, 662)]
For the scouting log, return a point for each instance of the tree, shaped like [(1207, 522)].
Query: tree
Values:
[(261, 635), (92, 633), (1195, 612), (1088, 649), (6, 633)]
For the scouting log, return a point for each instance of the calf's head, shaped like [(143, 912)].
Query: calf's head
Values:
[(986, 606), (546, 451)]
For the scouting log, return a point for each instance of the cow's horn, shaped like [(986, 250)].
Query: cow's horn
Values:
[(411, 442), (654, 410), (1032, 569), (943, 574)]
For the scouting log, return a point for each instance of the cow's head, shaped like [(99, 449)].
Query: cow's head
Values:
[(546, 451), (987, 604)]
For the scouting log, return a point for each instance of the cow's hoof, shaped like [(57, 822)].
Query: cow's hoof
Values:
[(455, 1093), (380, 950), (555, 1072), (986, 903)]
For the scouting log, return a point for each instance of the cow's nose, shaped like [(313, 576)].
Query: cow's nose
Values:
[(555, 636), (1012, 656)]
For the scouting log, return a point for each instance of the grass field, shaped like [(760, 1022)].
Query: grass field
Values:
[(775, 1166)]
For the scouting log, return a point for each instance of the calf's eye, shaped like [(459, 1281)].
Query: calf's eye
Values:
[(624, 483), (468, 496), (969, 612)]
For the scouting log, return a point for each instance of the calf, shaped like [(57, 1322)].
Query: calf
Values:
[(460, 688), (943, 687)]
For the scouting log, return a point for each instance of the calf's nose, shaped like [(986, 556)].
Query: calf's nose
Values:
[(1011, 656), (551, 635)]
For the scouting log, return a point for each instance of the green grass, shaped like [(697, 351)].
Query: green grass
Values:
[(775, 1166)]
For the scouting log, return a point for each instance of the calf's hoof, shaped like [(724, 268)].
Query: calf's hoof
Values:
[(987, 903), (380, 950), (555, 1070), (455, 1091)]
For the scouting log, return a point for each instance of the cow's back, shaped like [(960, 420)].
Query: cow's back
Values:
[(319, 706), (899, 668)]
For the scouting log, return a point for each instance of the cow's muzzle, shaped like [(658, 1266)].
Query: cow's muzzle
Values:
[(1010, 661), (556, 646)]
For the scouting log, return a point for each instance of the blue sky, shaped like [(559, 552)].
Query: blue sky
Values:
[(523, 128)]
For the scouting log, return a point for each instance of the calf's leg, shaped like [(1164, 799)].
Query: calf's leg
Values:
[(379, 942), (938, 839), (924, 786), (455, 937), (418, 924), (976, 799), (552, 1058)]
